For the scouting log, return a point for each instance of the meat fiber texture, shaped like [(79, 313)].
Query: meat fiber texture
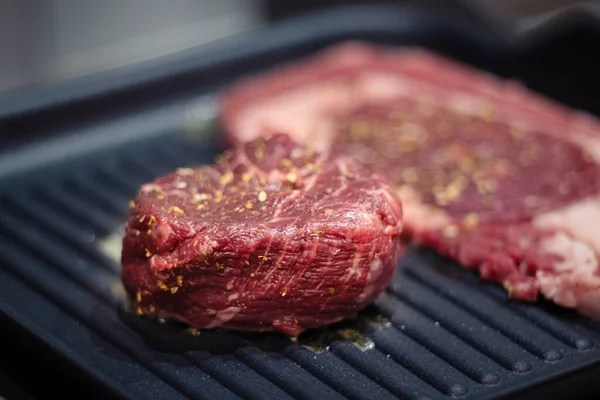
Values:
[(272, 237), (490, 174)]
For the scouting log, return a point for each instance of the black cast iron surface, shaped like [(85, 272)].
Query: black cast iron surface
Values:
[(436, 333)]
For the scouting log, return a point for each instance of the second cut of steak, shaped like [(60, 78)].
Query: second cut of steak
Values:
[(272, 237), (488, 194), (489, 173)]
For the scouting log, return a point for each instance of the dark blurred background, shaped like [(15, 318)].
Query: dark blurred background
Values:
[(53, 40), (44, 42)]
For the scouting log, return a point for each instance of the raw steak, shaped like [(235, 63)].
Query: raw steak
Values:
[(272, 237), (490, 174)]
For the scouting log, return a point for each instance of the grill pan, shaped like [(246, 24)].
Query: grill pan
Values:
[(436, 333)]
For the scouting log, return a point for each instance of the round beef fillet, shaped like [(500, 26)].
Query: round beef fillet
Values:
[(272, 237)]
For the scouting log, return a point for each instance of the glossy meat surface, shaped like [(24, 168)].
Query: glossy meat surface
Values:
[(491, 174), (274, 236)]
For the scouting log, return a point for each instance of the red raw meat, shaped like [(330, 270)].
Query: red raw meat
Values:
[(489, 173), (272, 237)]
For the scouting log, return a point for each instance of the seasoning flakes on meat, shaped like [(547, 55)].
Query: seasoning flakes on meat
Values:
[(272, 237), (491, 174)]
